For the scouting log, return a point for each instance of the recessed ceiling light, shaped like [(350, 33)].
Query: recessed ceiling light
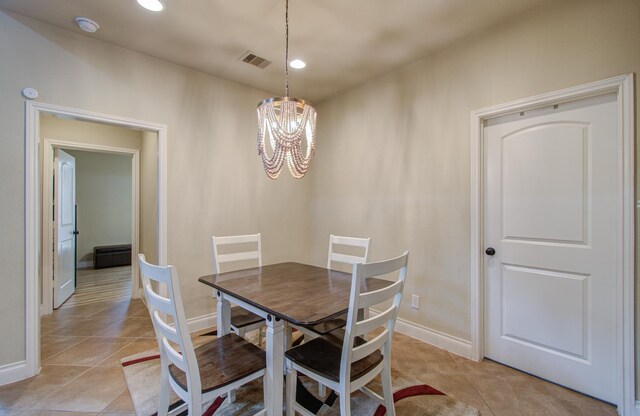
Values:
[(297, 64), (153, 5), (87, 24)]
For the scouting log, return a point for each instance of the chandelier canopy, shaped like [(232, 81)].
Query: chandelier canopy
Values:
[(287, 126)]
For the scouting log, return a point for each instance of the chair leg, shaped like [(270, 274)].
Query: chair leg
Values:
[(195, 405), (322, 390), (288, 337), (165, 392), (291, 381), (231, 396), (387, 390), (345, 402), (265, 392)]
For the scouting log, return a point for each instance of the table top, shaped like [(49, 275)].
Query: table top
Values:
[(298, 293)]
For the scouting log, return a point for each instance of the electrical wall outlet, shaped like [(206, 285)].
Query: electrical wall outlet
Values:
[(415, 301)]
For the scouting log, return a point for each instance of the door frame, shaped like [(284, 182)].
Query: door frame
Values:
[(47, 210), (33, 213), (623, 86)]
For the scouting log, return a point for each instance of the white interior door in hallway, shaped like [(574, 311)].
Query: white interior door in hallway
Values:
[(551, 214), (65, 226)]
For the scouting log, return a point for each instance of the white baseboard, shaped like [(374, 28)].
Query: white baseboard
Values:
[(433, 337), (13, 372), (198, 323), (85, 264)]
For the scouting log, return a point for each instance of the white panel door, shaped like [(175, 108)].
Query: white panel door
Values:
[(65, 226), (551, 216)]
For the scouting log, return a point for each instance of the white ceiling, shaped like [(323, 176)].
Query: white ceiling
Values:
[(344, 42)]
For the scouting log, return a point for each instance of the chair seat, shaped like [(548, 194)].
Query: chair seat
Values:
[(241, 317), (223, 361), (322, 356)]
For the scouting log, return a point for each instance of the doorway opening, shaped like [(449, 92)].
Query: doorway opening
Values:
[(37, 216), (105, 219)]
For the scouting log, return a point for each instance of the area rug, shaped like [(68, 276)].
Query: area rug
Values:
[(412, 397)]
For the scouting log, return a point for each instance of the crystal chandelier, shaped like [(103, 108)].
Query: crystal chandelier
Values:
[(290, 126)]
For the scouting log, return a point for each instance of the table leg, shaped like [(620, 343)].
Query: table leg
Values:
[(223, 309), (224, 314), (275, 365)]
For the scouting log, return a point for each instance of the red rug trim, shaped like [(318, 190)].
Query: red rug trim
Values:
[(213, 406), (140, 360), (417, 390)]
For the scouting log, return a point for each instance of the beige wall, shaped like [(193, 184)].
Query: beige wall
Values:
[(149, 197), (215, 179), (393, 159), (55, 128), (103, 198)]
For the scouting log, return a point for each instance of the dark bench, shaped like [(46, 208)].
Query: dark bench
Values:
[(111, 256)]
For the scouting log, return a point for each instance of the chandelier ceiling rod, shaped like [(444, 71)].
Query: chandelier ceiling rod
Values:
[(286, 48)]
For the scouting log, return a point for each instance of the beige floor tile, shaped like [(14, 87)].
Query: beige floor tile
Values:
[(458, 387), (77, 326), (24, 394), (84, 311), (90, 351), (122, 404), (127, 309), (93, 391), (53, 344), (114, 414), (485, 367), (137, 346), (130, 327), (54, 413), (525, 395), (10, 412), (415, 357)]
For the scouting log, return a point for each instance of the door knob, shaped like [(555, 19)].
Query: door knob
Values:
[(490, 251)]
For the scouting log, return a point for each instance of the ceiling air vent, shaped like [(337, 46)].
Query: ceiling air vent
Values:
[(251, 58)]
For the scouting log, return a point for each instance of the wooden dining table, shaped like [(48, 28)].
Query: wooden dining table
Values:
[(300, 294)]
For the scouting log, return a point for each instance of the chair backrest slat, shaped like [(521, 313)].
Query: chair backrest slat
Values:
[(351, 241), (167, 331), (386, 320), (253, 254), (379, 296), (362, 243), (368, 325), (238, 239), (158, 302), (346, 258), (369, 347), (247, 255), (174, 356)]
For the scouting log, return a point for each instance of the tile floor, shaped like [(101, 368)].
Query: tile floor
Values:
[(82, 347)]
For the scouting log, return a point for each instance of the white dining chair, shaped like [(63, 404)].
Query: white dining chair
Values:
[(197, 375), (242, 321), (354, 250), (357, 251), (346, 361)]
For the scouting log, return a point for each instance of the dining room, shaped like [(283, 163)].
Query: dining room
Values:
[(395, 159)]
